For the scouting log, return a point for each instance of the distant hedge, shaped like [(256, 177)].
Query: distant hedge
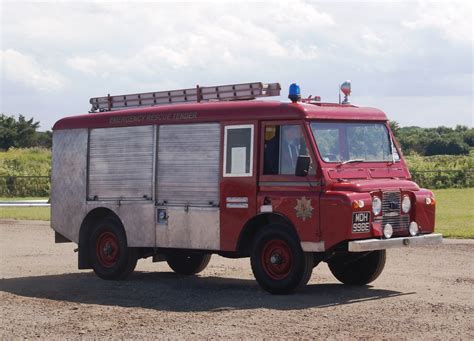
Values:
[(25, 172)]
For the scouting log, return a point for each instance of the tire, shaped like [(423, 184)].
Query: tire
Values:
[(357, 268), (187, 263), (278, 263), (110, 256)]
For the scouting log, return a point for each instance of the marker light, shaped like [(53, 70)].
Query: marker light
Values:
[(294, 94), (406, 204), (376, 205)]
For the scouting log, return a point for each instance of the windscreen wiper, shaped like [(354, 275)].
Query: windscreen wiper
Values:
[(351, 161)]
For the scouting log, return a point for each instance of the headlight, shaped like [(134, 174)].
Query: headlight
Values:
[(376, 205), (387, 231), (406, 204), (413, 228)]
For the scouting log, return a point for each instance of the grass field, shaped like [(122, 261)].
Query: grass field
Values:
[(22, 198), (454, 212), (25, 213)]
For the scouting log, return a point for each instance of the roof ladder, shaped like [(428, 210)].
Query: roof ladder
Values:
[(232, 92)]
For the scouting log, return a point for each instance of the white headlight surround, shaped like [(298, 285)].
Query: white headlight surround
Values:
[(413, 229), (406, 204), (376, 205), (387, 231)]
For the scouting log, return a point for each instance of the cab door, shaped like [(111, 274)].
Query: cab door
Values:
[(238, 180), (280, 190)]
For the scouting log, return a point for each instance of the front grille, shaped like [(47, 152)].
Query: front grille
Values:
[(391, 203), (398, 223), (391, 211)]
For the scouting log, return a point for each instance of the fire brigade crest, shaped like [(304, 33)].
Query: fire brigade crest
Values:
[(303, 208)]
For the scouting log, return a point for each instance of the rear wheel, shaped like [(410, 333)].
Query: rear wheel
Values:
[(109, 254), (188, 263), (278, 262), (357, 268)]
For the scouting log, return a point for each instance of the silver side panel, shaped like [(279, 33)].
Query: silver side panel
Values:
[(68, 181), (189, 228), (188, 164), (188, 186), (138, 219), (121, 163)]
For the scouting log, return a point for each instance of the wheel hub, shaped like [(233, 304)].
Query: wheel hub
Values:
[(277, 259), (107, 249)]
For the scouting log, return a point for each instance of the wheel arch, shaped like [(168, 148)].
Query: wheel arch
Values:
[(257, 222), (87, 225)]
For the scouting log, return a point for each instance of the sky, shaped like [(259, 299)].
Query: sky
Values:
[(411, 59)]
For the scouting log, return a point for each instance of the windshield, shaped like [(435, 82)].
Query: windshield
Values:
[(353, 142)]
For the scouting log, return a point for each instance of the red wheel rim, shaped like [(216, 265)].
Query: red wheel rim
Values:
[(107, 249), (277, 259)]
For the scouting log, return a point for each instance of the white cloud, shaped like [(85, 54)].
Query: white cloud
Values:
[(24, 69), (393, 48), (452, 19)]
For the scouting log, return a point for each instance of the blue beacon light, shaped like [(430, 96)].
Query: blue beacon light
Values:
[(294, 93)]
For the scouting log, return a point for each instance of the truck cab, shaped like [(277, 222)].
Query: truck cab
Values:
[(180, 175)]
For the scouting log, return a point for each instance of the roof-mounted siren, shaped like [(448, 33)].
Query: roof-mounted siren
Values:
[(346, 90)]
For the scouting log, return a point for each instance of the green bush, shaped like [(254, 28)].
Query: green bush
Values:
[(25, 172), (442, 171)]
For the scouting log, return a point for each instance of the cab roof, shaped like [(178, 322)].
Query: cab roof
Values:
[(220, 111)]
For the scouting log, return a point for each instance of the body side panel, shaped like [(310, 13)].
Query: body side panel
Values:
[(68, 181)]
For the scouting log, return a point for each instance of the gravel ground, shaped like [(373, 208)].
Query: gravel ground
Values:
[(423, 293)]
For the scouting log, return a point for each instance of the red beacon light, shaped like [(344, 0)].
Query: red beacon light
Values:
[(346, 90)]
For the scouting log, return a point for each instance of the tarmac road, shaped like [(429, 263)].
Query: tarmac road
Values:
[(423, 293)]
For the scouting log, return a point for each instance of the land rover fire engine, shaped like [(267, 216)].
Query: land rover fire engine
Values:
[(180, 175)]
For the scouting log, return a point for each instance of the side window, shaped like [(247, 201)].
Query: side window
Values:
[(238, 157), (283, 145)]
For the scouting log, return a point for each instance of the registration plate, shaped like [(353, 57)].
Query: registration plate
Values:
[(360, 222)]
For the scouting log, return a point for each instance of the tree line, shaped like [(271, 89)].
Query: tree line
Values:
[(434, 141), (23, 133)]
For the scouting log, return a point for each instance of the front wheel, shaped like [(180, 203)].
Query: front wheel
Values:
[(110, 256), (188, 263), (278, 262), (357, 268)]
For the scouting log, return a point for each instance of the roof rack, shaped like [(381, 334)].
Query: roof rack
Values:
[(231, 92)]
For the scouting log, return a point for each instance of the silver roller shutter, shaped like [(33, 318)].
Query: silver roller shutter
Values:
[(188, 164), (121, 163)]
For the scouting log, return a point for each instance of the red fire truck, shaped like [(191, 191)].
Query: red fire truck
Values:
[(181, 175)]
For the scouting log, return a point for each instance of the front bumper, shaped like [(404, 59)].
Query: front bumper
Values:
[(381, 244)]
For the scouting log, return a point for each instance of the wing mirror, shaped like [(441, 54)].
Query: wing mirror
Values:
[(302, 165)]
